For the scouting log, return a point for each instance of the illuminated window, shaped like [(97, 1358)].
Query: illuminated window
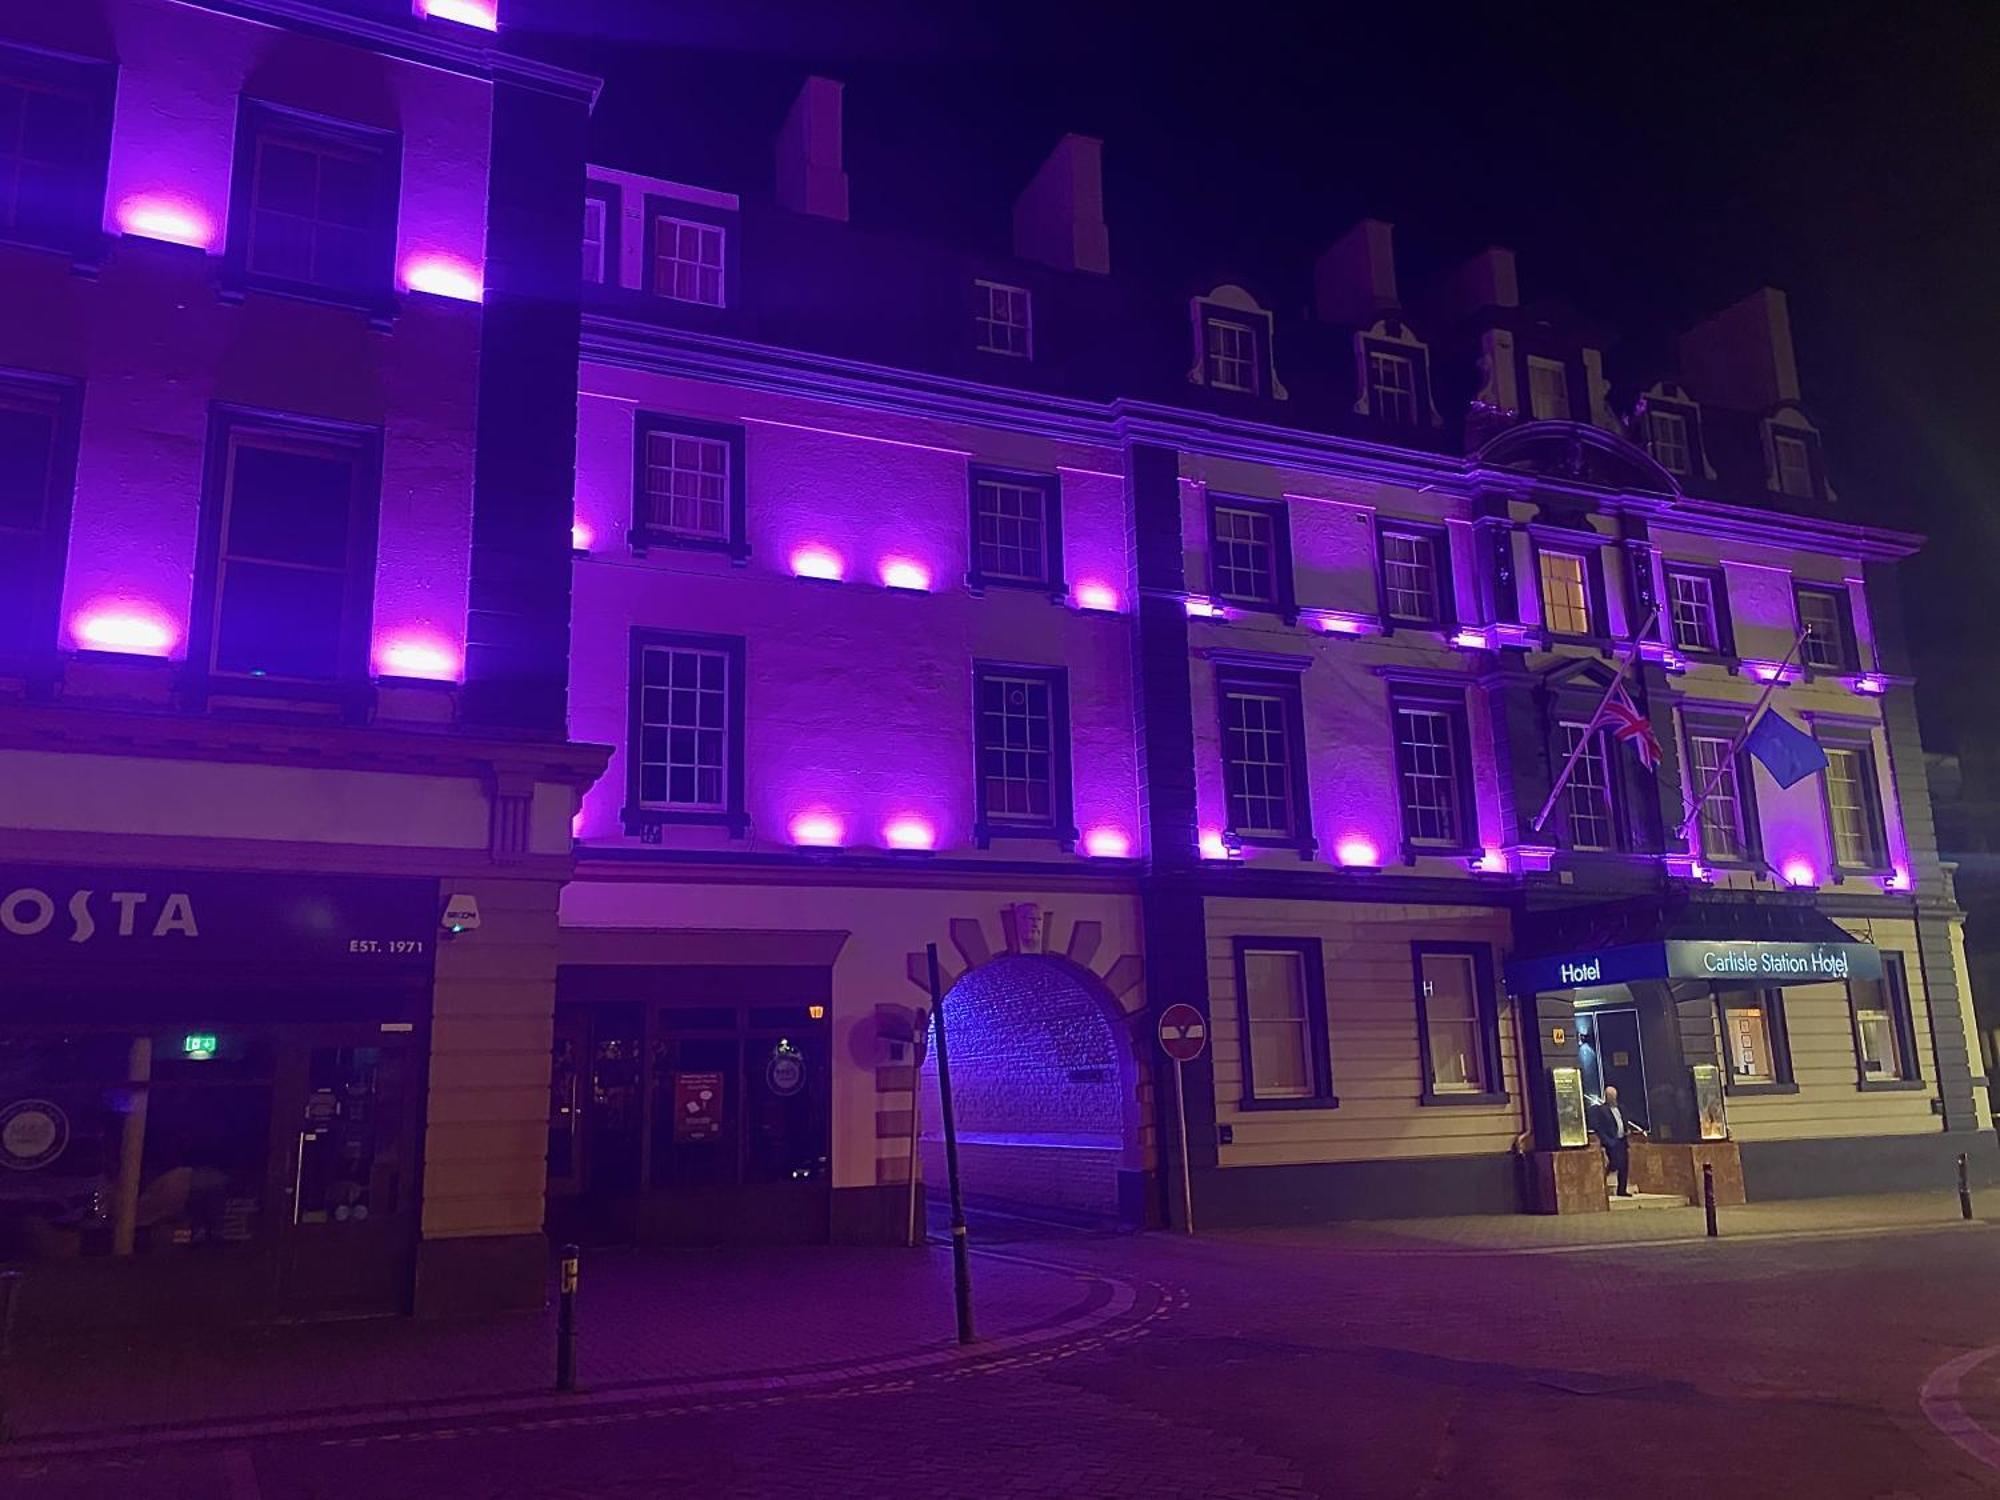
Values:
[(321, 205), (1667, 438), (1823, 617), (1753, 1037), (688, 260), (1589, 808), (1410, 577), (1697, 622), (1392, 387), (1022, 738), (1278, 1015), (1014, 529), (1722, 824), (1794, 462), (684, 728), (293, 524), (1245, 543), (1548, 389), (1884, 1031), (1430, 751), (1004, 319), (37, 478), (1232, 355), (1851, 808), (55, 120), (1261, 757), (1455, 1050), (1565, 593)]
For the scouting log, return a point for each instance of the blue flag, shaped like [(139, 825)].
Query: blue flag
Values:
[(1787, 751)]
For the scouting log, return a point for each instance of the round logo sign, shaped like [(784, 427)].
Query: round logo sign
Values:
[(33, 1133), (786, 1072)]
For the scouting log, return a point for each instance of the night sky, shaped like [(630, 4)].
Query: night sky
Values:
[(1647, 166)]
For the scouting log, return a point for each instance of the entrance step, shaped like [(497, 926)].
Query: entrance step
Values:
[(1648, 1200)]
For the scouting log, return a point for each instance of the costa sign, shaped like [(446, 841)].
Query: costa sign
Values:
[(29, 911)]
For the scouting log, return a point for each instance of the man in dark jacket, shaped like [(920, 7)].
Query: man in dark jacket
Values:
[(1608, 1122)]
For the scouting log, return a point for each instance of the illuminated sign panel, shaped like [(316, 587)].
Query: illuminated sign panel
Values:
[(1722, 962)]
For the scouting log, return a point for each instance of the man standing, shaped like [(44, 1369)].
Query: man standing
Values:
[(1607, 1120)]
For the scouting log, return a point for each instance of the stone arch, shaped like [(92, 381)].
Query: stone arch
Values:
[(1049, 1070)]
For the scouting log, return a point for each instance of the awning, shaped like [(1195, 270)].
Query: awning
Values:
[(1747, 943)]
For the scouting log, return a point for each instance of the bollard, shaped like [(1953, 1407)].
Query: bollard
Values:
[(1708, 1195), (1964, 1190), (10, 1290), (566, 1323)]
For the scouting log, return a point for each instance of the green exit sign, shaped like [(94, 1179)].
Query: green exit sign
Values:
[(198, 1045)]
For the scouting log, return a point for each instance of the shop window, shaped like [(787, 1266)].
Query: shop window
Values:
[(1458, 1023), (740, 1098), (1885, 1040), (289, 523), (1754, 1045), (1281, 1011)]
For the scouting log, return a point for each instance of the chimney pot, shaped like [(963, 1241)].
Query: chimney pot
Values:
[(1354, 282), (1059, 216), (811, 179)]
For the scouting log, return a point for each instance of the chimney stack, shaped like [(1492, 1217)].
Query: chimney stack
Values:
[(1486, 280), (1059, 217), (1742, 356), (1355, 280), (811, 179)]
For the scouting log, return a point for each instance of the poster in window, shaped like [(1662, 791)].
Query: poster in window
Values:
[(697, 1107), (1709, 1102), (1571, 1128)]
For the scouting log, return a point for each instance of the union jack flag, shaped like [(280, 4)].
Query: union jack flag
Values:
[(1622, 717)]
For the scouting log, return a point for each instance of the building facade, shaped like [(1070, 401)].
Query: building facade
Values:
[(287, 388), (1136, 644)]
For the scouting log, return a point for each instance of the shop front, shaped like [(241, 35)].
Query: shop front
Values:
[(211, 1092)]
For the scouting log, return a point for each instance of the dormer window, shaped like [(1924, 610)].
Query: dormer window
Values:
[(600, 233), (1392, 387), (1003, 319), (1233, 358), (1548, 390), (1793, 460), (1667, 439), (688, 260)]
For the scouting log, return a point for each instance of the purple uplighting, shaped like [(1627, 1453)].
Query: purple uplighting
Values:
[(1358, 853), (818, 829), (909, 833), (1097, 596), (580, 536), (1107, 843), (902, 573), (167, 216), (483, 14), (418, 656), (130, 629), (1799, 872), (818, 562), (443, 276)]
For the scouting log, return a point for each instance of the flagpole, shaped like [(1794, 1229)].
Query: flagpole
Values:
[(1728, 761), (1577, 750)]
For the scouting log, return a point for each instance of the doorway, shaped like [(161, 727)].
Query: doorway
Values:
[(1611, 1055)]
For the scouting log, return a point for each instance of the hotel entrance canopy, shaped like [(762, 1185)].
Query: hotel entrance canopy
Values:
[(1740, 944)]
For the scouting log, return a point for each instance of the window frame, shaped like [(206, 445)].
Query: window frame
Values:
[(1285, 685), (1856, 740), (644, 533), (1724, 623), (1451, 703), (1704, 724), (1843, 613), (1211, 319), (1560, 369), (258, 118), (1438, 538), (1596, 605), (1061, 822), (642, 821), (1052, 582), (1771, 1001), (1486, 1014), (1311, 958), (1808, 443), (660, 206), (1406, 361), (62, 398), (1895, 985), (1690, 424), (598, 191), (79, 230), (1613, 789), (982, 320), (364, 444), (1284, 601)]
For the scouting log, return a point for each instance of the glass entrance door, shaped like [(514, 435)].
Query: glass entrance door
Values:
[(350, 1226), (1611, 1055)]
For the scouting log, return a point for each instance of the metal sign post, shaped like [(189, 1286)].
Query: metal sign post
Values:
[(1183, 1035), (961, 1267)]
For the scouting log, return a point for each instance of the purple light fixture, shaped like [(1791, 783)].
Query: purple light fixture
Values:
[(1799, 872), (124, 627), (1099, 597), (1212, 846), (444, 276), (426, 656), (172, 217), (1357, 852), (1107, 843), (903, 573), (484, 14), (580, 536), (818, 562), (817, 828), (909, 833)]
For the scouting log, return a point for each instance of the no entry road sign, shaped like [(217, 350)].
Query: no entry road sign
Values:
[(1183, 1032)]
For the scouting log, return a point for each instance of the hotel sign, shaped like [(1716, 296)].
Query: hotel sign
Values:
[(1741, 964)]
